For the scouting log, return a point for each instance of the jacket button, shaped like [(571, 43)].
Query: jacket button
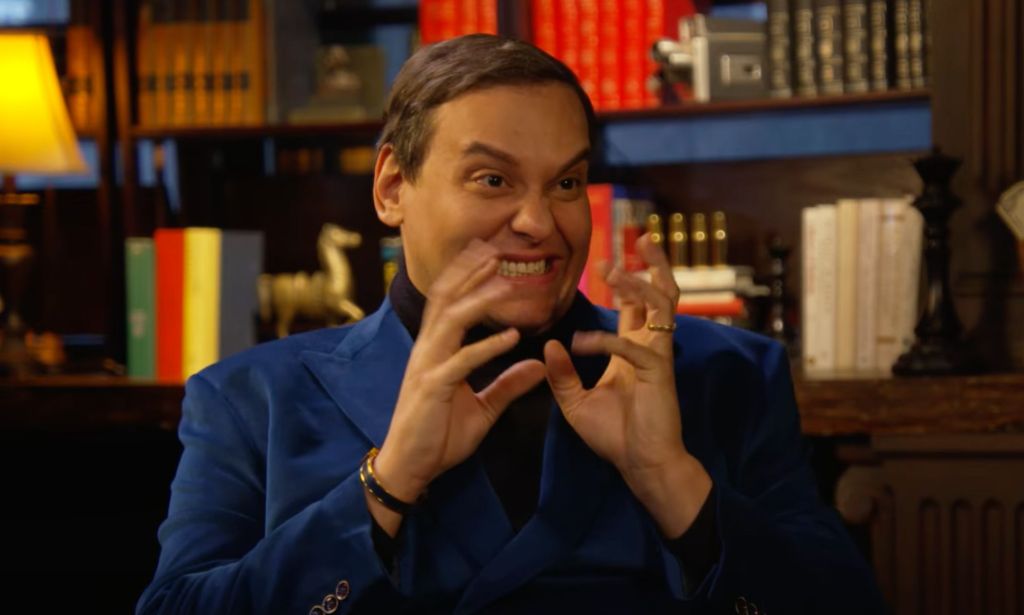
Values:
[(316, 610), (330, 603), (741, 606), (342, 590)]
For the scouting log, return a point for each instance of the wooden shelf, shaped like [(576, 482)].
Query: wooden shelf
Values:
[(831, 407), (893, 406)]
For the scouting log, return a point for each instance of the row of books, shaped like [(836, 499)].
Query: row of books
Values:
[(830, 47), (201, 63), (441, 20), (191, 299), (607, 43), (83, 68), (861, 278)]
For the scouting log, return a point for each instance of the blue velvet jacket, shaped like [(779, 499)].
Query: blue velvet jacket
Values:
[(267, 514)]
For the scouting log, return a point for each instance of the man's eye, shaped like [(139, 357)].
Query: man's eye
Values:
[(569, 183), (492, 181)]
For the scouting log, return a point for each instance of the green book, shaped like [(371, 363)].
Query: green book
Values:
[(139, 291)]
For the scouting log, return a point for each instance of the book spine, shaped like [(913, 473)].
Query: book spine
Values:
[(805, 62), (888, 342), (829, 39), (545, 34), (901, 44), (200, 330), (878, 31), (600, 198), (827, 270), (809, 289), (780, 76), (241, 260), (488, 16), (468, 17), (76, 79), (95, 80), (180, 37), (910, 276), (170, 277), (609, 44), (847, 242), (855, 46), (589, 62), (202, 64), (868, 214), (634, 54), (448, 24), (237, 67), (428, 21), (567, 16), (141, 314), (916, 43), (163, 68), (252, 81), (145, 75), (220, 67)]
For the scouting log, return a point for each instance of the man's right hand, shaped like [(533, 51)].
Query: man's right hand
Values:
[(439, 421)]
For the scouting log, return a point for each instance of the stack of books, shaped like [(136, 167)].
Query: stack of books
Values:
[(191, 299), (827, 47), (618, 214), (607, 43), (201, 63), (441, 20), (861, 269)]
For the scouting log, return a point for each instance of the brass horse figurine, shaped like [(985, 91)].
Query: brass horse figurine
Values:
[(325, 295)]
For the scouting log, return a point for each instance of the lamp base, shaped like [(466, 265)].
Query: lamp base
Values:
[(15, 263)]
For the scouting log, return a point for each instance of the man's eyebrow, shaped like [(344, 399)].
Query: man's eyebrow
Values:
[(477, 147)]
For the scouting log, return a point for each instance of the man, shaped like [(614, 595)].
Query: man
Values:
[(488, 440)]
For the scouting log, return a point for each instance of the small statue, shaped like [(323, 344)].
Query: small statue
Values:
[(325, 295)]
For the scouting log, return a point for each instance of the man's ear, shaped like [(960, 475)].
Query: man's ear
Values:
[(387, 183)]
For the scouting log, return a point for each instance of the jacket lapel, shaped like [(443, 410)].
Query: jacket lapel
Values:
[(363, 376), (574, 485)]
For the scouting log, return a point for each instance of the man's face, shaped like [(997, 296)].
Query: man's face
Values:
[(507, 165)]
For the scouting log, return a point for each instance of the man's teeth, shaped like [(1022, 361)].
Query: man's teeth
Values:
[(515, 269)]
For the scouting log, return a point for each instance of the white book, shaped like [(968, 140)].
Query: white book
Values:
[(868, 215), (910, 276), (846, 284), (810, 346), (825, 271), (891, 237)]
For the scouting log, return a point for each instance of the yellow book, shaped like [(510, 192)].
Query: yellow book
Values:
[(201, 329)]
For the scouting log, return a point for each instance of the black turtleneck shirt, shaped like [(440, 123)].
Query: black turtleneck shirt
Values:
[(512, 452)]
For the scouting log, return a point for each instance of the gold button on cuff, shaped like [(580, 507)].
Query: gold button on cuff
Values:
[(316, 610), (342, 590), (330, 603)]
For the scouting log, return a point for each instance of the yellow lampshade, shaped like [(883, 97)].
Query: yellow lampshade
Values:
[(35, 132)]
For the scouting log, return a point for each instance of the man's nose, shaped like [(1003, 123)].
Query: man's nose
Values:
[(533, 219)]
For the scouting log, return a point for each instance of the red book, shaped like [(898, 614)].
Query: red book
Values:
[(567, 32), (169, 246), (609, 46), (468, 17), (733, 308), (429, 20), (600, 197), (489, 16), (589, 47), (448, 19), (633, 57), (545, 30)]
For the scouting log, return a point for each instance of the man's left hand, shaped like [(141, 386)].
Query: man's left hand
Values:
[(631, 416)]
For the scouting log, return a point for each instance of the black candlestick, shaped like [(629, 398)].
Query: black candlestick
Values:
[(938, 349)]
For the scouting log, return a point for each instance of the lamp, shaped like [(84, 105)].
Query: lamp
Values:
[(35, 137)]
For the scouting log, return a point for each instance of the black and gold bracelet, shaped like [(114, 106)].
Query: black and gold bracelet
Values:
[(377, 490)]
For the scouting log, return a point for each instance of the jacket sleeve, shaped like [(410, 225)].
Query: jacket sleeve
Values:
[(216, 556), (782, 549)]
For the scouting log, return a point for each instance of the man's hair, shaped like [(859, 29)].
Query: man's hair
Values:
[(444, 71)]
